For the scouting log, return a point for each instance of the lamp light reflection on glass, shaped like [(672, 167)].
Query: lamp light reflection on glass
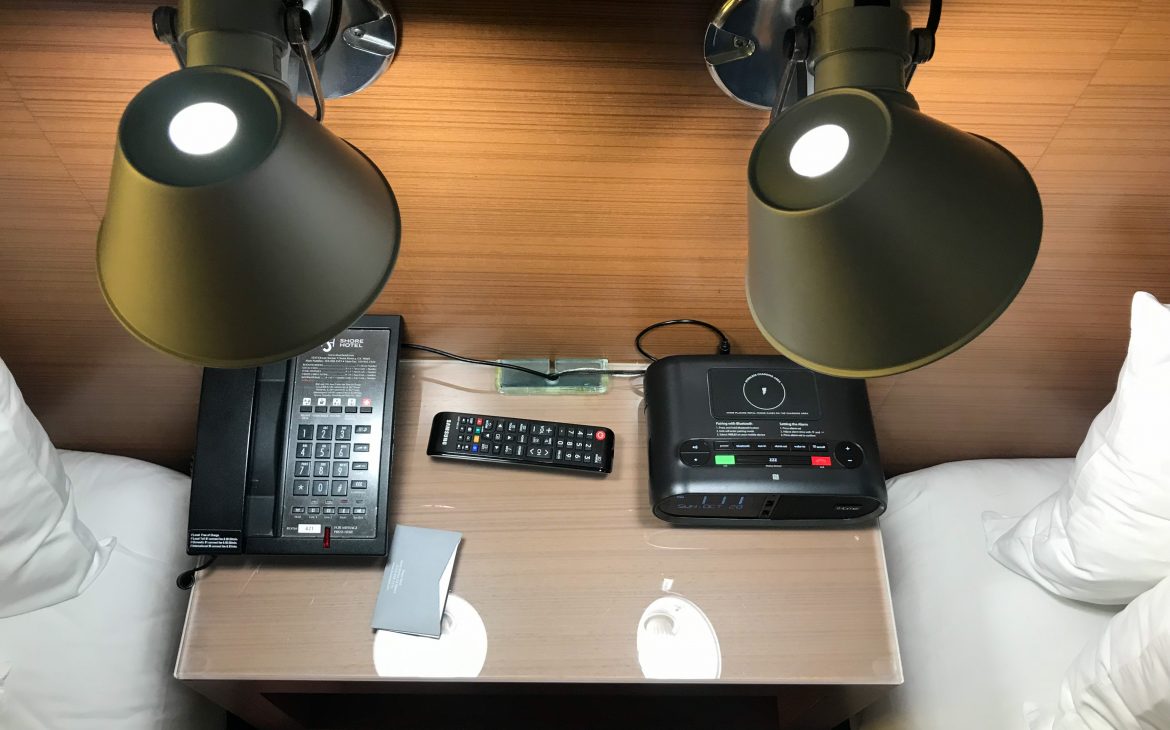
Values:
[(203, 128), (819, 150)]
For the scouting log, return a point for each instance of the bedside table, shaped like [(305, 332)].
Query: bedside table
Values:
[(560, 567)]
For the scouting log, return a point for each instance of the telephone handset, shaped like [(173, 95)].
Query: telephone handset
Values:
[(294, 457)]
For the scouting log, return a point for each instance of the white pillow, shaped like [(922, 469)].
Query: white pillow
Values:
[(46, 554), (1104, 537), (1122, 680)]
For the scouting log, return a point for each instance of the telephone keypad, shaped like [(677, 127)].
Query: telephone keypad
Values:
[(329, 495)]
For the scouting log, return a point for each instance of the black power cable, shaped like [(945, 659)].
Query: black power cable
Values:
[(186, 579), (724, 343), (724, 349)]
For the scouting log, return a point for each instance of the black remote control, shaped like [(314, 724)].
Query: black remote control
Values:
[(503, 440)]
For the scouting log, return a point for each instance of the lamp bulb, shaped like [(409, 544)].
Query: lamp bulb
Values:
[(819, 150), (203, 128)]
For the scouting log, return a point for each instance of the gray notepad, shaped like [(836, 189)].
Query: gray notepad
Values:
[(416, 581)]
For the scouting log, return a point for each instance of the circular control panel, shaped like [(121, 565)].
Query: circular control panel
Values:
[(764, 391), (848, 454), (695, 452)]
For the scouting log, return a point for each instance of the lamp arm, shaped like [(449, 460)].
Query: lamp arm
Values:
[(797, 45), (923, 39), (296, 25)]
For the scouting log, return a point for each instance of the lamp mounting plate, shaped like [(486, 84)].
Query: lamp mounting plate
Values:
[(744, 49), (363, 39)]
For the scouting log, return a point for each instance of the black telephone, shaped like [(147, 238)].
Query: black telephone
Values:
[(294, 457)]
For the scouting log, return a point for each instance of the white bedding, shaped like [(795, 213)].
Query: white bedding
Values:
[(978, 642), (106, 658)]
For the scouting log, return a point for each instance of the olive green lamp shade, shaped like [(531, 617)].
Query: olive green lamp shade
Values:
[(239, 230), (881, 239)]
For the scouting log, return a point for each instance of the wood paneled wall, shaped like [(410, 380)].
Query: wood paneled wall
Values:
[(568, 173)]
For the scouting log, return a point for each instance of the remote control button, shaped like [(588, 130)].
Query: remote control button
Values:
[(343, 432), (303, 469), (694, 445), (357, 484), (694, 458), (496, 449), (523, 428), (301, 488), (320, 489), (509, 450), (320, 468), (324, 433), (540, 452), (305, 451), (304, 432), (848, 454), (340, 488)]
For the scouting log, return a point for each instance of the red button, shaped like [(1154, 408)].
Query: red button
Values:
[(479, 422), (822, 460), (600, 435), (325, 540)]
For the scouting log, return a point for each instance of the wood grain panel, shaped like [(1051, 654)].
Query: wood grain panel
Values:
[(568, 174)]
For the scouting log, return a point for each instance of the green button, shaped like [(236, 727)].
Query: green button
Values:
[(725, 459)]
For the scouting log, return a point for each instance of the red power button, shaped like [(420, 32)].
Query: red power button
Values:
[(822, 460), (600, 435)]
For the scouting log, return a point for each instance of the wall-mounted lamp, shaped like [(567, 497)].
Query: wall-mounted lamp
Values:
[(239, 230), (880, 239)]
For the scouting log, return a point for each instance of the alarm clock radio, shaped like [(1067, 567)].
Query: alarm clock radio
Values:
[(759, 441)]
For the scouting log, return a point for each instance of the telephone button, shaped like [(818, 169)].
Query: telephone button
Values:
[(361, 448), (361, 429), (305, 450), (302, 469), (304, 432), (300, 488), (314, 510), (341, 451), (324, 451), (367, 409), (320, 468), (298, 510), (359, 510), (341, 468), (324, 433), (343, 432), (361, 465), (330, 510), (339, 489), (320, 489), (357, 484)]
